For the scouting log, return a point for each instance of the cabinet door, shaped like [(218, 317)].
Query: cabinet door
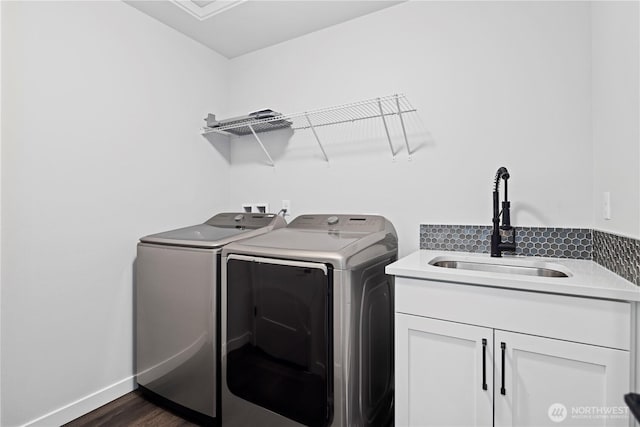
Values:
[(549, 382), (444, 373)]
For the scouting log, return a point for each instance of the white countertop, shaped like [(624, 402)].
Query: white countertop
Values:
[(587, 279)]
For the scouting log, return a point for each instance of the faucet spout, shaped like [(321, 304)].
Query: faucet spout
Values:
[(497, 245)]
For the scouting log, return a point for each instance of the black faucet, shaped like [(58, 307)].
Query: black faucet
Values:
[(497, 245)]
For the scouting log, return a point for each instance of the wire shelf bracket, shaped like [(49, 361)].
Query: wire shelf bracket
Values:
[(315, 134), (262, 145), (386, 129), (381, 108)]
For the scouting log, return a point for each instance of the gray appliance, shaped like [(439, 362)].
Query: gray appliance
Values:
[(177, 300), (307, 324)]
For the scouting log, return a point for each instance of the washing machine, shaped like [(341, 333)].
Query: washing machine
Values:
[(307, 324), (177, 315)]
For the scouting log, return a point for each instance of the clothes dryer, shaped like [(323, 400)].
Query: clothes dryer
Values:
[(307, 324), (177, 315)]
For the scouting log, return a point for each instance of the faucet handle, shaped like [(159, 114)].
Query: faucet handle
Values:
[(508, 245), (506, 213)]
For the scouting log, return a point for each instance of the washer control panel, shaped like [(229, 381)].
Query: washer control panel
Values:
[(241, 219), (362, 223)]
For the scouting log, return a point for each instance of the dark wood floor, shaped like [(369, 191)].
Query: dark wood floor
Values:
[(130, 410)]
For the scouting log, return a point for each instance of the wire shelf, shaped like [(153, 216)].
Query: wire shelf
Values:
[(242, 128), (377, 108)]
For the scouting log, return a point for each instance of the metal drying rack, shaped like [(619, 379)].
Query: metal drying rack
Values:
[(377, 108)]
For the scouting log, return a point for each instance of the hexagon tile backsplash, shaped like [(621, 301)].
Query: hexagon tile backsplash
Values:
[(616, 253)]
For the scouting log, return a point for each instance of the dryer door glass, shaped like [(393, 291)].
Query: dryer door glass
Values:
[(279, 338)]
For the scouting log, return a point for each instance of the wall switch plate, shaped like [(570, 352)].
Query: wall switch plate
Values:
[(606, 205)]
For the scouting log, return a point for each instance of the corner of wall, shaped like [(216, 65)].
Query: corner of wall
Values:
[(592, 129), (615, 115), (1, 7), (52, 28)]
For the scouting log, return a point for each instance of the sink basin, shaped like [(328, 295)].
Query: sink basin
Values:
[(540, 269)]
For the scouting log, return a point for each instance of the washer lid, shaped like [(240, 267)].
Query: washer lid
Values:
[(322, 232), (341, 240), (218, 230), (203, 235), (308, 240)]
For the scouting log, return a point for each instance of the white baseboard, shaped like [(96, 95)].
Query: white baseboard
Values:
[(87, 404)]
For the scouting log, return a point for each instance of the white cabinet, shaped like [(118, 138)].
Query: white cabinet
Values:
[(441, 375), (576, 380), (443, 364)]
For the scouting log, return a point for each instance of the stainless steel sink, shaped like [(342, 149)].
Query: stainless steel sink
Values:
[(504, 268)]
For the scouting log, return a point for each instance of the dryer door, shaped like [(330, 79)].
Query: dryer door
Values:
[(279, 337)]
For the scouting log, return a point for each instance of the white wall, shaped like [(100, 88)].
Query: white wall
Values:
[(100, 111), (0, 207), (616, 115), (495, 83), (101, 107)]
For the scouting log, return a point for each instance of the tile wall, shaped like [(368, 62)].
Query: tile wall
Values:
[(616, 253)]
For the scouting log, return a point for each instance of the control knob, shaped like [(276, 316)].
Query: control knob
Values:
[(333, 220)]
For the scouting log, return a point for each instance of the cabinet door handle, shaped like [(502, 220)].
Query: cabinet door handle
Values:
[(484, 363), (503, 346)]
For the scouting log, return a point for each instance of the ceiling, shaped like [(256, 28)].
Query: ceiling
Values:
[(236, 27)]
